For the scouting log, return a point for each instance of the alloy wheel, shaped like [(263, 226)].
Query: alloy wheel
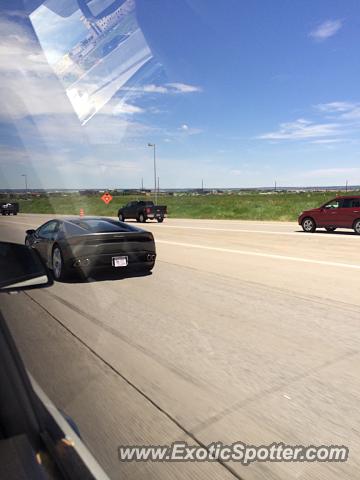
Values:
[(57, 263)]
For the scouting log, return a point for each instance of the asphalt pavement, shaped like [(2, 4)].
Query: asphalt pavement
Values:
[(245, 331)]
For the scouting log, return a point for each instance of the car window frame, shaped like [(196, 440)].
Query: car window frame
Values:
[(351, 200), (56, 229), (339, 200)]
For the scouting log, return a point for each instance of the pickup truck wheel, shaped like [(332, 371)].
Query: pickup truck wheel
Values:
[(160, 220), (357, 226), (308, 225), (142, 218), (121, 217)]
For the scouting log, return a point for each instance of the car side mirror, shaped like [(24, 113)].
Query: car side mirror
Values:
[(30, 232), (21, 268)]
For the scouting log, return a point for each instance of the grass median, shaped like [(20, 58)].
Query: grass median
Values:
[(252, 206)]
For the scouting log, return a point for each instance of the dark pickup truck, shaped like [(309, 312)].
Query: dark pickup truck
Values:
[(9, 208), (142, 211)]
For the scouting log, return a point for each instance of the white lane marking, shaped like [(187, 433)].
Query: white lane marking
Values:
[(299, 233), (232, 223), (259, 254), (236, 230), (181, 220)]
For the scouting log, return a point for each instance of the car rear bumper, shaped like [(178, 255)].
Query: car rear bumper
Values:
[(151, 216), (143, 259)]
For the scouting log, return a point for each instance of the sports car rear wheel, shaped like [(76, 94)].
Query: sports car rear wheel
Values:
[(58, 266)]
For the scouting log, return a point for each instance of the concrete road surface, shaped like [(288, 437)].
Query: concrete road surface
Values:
[(245, 331)]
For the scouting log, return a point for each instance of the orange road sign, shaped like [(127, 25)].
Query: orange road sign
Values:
[(106, 198)]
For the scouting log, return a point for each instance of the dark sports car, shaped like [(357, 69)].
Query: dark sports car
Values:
[(84, 244)]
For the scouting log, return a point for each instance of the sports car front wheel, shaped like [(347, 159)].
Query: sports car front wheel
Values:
[(58, 266)]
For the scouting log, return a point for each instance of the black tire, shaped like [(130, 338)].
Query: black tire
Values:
[(59, 269), (121, 217), (27, 242), (160, 220), (308, 225), (330, 229), (141, 217), (356, 226)]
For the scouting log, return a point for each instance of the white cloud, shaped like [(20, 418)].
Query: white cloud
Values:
[(124, 108), (184, 88), (332, 173), (344, 110), (186, 129), (340, 119), (28, 84), (103, 129), (326, 29), (324, 141), (353, 114), (302, 129), (13, 155), (335, 107), (168, 88), (104, 165), (18, 50), (151, 89)]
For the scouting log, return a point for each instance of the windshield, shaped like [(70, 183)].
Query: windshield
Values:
[(228, 323), (100, 226)]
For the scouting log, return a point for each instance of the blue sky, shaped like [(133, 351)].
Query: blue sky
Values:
[(236, 93)]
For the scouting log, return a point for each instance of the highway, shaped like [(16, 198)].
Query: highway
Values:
[(245, 331)]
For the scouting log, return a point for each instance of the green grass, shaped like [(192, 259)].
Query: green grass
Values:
[(252, 206)]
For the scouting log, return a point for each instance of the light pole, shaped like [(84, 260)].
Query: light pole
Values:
[(26, 187), (155, 190)]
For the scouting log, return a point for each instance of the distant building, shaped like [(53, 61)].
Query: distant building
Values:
[(89, 192)]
